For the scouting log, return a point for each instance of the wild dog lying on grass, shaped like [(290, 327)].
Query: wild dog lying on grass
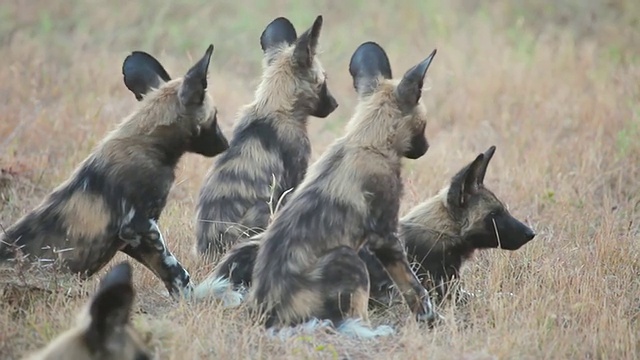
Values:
[(114, 199), (270, 148), (102, 330), (307, 266), (443, 232)]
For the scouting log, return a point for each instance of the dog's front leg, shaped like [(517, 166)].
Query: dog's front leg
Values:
[(390, 252), (152, 252)]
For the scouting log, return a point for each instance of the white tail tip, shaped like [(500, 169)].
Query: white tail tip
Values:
[(218, 289), (303, 329), (355, 328), (350, 327)]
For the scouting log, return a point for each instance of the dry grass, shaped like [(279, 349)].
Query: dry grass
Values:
[(555, 86)]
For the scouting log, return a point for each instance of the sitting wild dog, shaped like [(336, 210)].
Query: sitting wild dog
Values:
[(269, 152), (114, 199), (307, 267), (444, 231), (103, 330)]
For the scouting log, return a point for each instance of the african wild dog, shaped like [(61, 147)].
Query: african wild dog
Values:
[(114, 198), (103, 330), (444, 231), (307, 266), (270, 144)]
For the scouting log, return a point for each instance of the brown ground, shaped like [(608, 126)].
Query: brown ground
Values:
[(555, 85)]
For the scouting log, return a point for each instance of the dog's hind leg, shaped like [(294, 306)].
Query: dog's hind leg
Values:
[(153, 253), (381, 288), (343, 281)]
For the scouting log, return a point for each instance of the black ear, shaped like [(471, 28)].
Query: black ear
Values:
[(483, 169), (367, 64), (307, 42), (278, 31), (465, 183), (194, 84), (111, 305), (142, 72), (410, 87)]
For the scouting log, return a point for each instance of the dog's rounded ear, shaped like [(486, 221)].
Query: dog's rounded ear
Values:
[(367, 64), (142, 72), (279, 31)]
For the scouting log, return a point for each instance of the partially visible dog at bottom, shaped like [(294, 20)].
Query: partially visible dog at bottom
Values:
[(103, 330), (443, 232)]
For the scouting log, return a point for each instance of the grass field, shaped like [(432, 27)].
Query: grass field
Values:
[(554, 85)]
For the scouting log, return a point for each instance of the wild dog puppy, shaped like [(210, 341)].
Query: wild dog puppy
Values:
[(115, 197), (103, 330), (270, 148), (307, 266), (443, 232)]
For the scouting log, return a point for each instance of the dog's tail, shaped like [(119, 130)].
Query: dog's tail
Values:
[(218, 288), (353, 328), (357, 329)]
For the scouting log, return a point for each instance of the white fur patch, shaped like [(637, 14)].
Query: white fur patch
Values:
[(186, 289), (355, 328), (130, 214), (168, 257), (307, 328), (218, 288)]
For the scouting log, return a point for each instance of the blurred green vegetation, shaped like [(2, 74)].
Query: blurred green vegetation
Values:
[(188, 25)]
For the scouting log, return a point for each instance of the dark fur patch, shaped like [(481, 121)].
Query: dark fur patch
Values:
[(142, 72)]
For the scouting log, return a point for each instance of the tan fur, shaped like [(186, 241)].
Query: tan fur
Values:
[(303, 303), (71, 346), (382, 125), (86, 215), (359, 305), (433, 214), (277, 90), (159, 109)]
